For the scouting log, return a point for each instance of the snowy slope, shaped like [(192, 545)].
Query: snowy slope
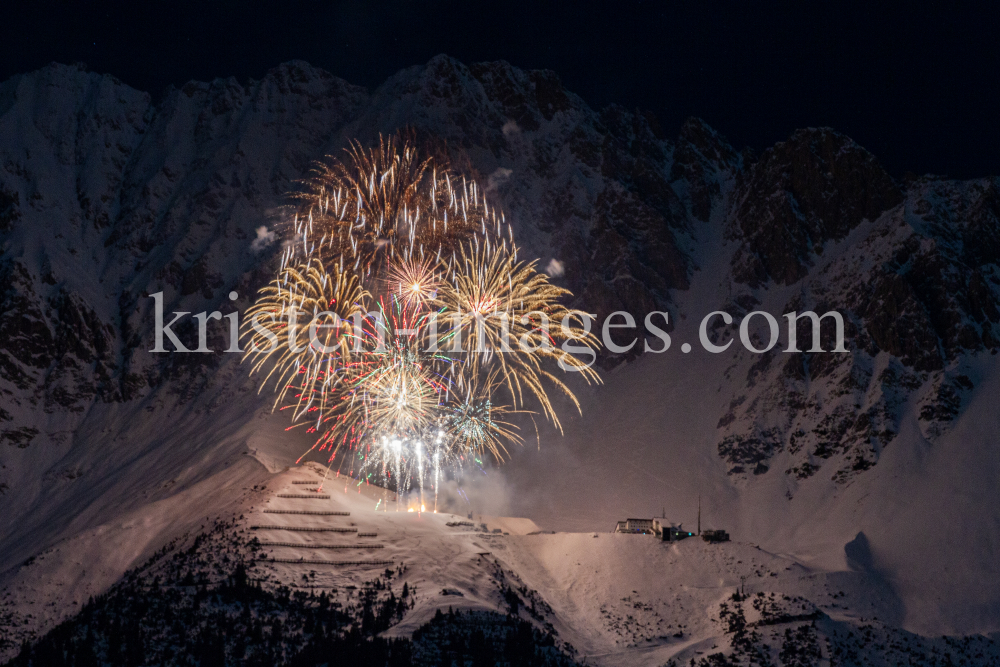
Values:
[(607, 599)]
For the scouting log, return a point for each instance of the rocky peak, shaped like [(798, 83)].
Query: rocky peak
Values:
[(698, 138), (813, 188), (525, 97), (701, 159)]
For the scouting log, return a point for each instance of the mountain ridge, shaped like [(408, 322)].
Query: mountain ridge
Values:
[(107, 197)]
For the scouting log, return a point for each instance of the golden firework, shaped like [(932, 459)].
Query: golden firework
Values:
[(384, 205), (504, 313), (402, 326), (302, 324)]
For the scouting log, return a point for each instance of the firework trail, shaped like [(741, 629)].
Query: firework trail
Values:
[(402, 329)]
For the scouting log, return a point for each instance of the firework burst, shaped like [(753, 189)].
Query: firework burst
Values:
[(381, 206), (507, 315), (477, 425), (416, 282), (301, 324), (402, 329)]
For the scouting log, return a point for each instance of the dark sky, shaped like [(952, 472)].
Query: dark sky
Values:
[(917, 86)]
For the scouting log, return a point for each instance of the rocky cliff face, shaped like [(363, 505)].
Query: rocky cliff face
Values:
[(912, 272), (802, 193), (107, 197)]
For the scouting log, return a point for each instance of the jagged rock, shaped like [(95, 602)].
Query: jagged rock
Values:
[(802, 193)]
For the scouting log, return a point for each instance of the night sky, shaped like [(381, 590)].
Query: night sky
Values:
[(918, 86)]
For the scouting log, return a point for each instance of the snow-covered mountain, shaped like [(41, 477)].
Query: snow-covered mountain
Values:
[(311, 578), (108, 196)]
